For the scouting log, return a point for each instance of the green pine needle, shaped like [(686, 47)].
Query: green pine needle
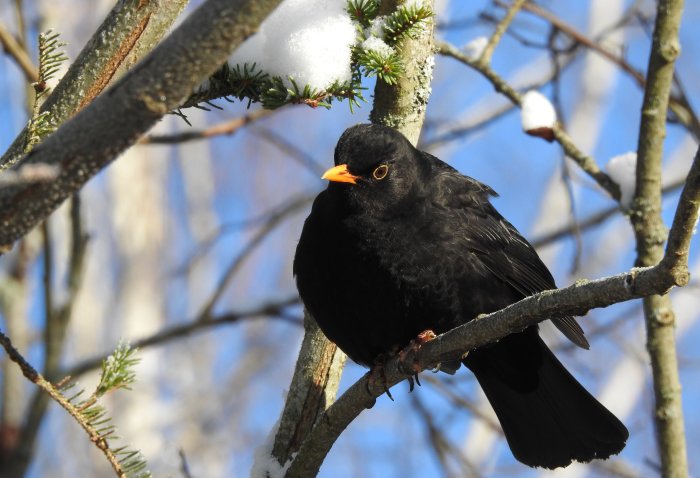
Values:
[(386, 67), (362, 11), (250, 82), (406, 21), (50, 60), (117, 370)]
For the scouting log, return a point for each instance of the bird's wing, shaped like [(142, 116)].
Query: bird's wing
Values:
[(497, 243), (511, 258)]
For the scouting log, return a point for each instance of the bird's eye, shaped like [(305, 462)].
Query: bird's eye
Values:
[(380, 172)]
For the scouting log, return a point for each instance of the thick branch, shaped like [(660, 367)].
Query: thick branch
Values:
[(115, 120), (314, 387), (130, 26), (650, 234), (402, 105)]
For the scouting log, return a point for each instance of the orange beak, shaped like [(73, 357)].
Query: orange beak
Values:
[(340, 174)]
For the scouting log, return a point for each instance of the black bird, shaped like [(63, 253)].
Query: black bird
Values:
[(400, 242)]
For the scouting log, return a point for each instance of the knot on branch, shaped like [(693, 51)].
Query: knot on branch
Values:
[(669, 50)]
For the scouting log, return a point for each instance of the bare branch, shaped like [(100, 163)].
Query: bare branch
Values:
[(650, 234)]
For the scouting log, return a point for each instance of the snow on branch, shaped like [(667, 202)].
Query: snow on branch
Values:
[(315, 51)]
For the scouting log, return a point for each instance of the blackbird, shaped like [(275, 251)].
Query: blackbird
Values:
[(400, 242)]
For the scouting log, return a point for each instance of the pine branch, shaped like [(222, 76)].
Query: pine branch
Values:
[(249, 82), (91, 416), (362, 11), (407, 21), (385, 65)]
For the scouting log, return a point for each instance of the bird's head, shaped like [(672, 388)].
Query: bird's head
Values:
[(376, 168)]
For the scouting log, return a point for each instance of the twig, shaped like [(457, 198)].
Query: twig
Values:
[(297, 154), (226, 128), (289, 206), (487, 53), (441, 445), (273, 309), (237, 262), (460, 401), (595, 219), (184, 466)]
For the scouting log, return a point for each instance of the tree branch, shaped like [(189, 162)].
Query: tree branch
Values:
[(402, 105), (35, 377), (650, 235), (86, 143), (680, 105), (228, 128), (313, 388), (129, 26)]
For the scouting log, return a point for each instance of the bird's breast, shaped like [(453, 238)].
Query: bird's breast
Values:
[(373, 286)]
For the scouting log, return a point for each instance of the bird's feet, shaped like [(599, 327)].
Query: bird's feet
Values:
[(410, 354), (376, 377)]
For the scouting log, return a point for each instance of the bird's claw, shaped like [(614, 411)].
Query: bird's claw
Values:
[(410, 353), (377, 373)]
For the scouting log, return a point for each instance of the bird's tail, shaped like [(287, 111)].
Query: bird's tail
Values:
[(548, 418)]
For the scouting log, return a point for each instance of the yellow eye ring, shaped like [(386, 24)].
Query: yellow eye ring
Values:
[(380, 172)]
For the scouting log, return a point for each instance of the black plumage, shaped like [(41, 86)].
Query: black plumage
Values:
[(400, 242)]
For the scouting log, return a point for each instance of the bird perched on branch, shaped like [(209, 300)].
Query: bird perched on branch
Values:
[(400, 243)]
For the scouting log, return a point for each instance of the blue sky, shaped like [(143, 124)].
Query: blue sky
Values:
[(248, 175)]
